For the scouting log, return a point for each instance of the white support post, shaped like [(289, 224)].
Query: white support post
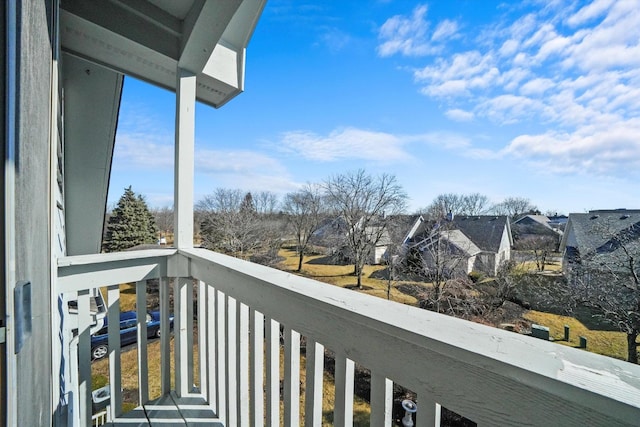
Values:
[(84, 356), (291, 377), (143, 362), (273, 373), (429, 412), (344, 376), (315, 373), (115, 372), (165, 344), (257, 325), (381, 400), (242, 363), (221, 356), (232, 330), (184, 155), (203, 332)]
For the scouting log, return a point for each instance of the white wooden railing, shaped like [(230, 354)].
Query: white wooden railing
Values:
[(490, 376)]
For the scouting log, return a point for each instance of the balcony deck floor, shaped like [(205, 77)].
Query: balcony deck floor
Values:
[(168, 411)]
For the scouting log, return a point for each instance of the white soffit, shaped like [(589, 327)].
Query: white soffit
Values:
[(151, 39)]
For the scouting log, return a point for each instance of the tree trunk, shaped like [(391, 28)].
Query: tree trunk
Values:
[(632, 347), (359, 275), (300, 259)]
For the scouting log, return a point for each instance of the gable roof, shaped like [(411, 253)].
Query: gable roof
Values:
[(582, 228), (485, 231), (534, 219)]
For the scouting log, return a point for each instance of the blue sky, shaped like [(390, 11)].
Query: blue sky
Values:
[(536, 99)]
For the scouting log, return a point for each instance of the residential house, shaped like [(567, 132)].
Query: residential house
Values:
[(530, 228), (62, 73), (592, 240), (481, 243)]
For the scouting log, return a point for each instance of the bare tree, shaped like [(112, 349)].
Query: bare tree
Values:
[(164, 219), (230, 223), (540, 247), (515, 207), (440, 256), (607, 281), (304, 209), (456, 204), (365, 203), (265, 202)]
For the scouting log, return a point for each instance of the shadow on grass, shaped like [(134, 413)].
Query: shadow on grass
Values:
[(327, 260)]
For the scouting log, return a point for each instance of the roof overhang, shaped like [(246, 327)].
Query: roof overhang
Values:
[(151, 39)]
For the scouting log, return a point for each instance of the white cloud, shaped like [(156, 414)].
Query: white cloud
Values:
[(459, 115), (571, 71), (347, 143), (445, 30), (589, 12), (405, 35)]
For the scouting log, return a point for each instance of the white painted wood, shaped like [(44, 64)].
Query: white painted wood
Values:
[(429, 412), (203, 333), (221, 355), (93, 271), (232, 385), (84, 356), (272, 372), (313, 392), (183, 335), (344, 376), (143, 362), (165, 343), (291, 377), (211, 344), (184, 163), (187, 348), (242, 361), (256, 369), (115, 370), (477, 371), (381, 400)]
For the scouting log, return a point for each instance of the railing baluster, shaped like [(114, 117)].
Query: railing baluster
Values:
[(343, 406), (187, 347), (183, 336), (165, 344), (429, 412), (291, 377), (232, 404), (84, 355), (143, 369), (203, 333), (221, 353), (273, 373), (212, 362), (381, 400), (242, 363), (115, 372), (256, 380), (313, 395)]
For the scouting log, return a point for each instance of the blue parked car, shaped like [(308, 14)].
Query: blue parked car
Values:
[(128, 332)]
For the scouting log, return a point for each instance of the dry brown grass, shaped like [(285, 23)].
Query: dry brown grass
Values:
[(607, 343), (342, 275)]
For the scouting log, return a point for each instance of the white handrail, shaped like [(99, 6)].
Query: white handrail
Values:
[(491, 376)]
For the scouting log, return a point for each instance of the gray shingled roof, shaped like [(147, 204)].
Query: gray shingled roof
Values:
[(483, 230), (594, 229)]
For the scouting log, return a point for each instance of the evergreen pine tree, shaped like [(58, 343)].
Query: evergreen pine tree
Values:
[(130, 224)]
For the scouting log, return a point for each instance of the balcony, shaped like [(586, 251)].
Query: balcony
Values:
[(490, 376)]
